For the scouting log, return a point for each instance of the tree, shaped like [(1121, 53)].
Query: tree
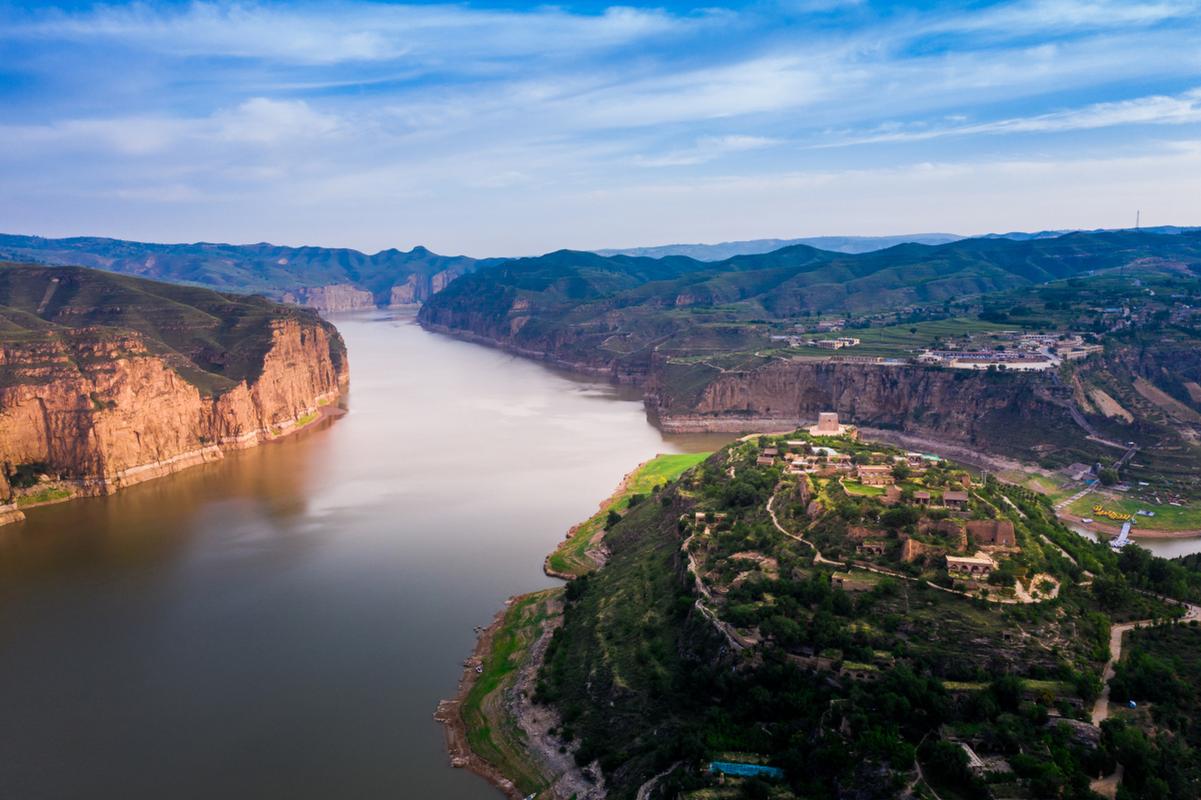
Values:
[(1108, 476)]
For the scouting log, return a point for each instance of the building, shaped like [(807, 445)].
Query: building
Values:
[(921, 498), (874, 548), (992, 532), (954, 499), (977, 566), (765, 461), (875, 475), (828, 425)]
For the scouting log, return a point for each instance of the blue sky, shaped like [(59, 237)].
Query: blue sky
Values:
[(504, 128)]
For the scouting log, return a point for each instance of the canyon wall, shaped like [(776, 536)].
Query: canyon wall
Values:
[(91, 411), (976, 408), (332, 298)]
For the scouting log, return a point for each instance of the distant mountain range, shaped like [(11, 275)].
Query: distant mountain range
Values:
[(331, 279), (342, 279), (836, 244), (604, 311)]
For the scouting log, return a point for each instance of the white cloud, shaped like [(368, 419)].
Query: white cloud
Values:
[(351, 32), (708, 148), (1181, 109), (267, 121)]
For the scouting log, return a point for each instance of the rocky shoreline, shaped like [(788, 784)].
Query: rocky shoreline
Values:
[(542, 751), (61, 491)]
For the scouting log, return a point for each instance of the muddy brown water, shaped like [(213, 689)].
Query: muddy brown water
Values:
[(283, 623)]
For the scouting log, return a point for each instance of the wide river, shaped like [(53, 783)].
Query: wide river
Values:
[(283, 623)]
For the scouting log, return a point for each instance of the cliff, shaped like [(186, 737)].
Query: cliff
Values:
[(1000, 412), (89, 409), (333, 298)]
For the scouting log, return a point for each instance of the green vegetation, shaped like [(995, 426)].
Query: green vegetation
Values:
[(1161, 667), (1167, 517), (571, 556), (491, 733), (846, 689), (1132, 298), (305, 419), (51, 495), (259, 268), (213, 340)]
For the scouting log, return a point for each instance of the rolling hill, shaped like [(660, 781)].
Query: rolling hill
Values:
[(331, 279)]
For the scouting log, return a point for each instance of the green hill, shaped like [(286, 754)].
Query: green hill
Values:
[(213, 339), (260, 268)]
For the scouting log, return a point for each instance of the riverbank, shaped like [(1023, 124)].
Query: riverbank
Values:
[(582, 550), (1137, 532), (492, 725)]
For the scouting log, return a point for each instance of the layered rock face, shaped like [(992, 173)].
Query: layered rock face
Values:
[(966, 407), (418, 288), (98, 411), (332, 298)]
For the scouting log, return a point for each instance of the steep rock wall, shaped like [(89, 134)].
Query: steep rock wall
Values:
[(99, 411), (332, 298), (967, 407)]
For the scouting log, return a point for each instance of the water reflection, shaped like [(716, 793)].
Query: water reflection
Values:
[(282, 623)]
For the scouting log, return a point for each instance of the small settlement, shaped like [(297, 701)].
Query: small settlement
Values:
[(955, 538)]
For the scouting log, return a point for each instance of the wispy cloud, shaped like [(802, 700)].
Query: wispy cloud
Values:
[(1182, 109), (453, 124), (707, 149)]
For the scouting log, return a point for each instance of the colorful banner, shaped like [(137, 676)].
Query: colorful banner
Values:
[(1116, 516)]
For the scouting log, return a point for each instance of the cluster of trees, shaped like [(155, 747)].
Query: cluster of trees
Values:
[(1176, 579)]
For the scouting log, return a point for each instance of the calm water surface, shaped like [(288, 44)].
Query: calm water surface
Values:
[(282, 624)]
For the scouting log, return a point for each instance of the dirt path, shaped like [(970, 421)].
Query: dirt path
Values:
[(817, 554), (644, 791), (1101, 707)]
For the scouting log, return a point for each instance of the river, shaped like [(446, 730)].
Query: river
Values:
[(283, 623)]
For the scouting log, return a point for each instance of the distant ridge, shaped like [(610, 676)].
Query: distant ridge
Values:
[(326, 278), (749, 247), (851, 245)]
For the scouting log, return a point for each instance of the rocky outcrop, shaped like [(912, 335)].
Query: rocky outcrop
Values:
[(93, 411), (333, 298), (973, 408)]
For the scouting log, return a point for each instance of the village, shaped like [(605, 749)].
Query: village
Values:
[(956, 534), (974, 348)]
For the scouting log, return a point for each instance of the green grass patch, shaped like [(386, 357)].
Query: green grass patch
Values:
[(1167, 517), (859, 490), (44, 496), (491, 735), (571, 556), (305, 419)]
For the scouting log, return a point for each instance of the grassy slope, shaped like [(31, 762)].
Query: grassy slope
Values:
[(627, 669), (623, 643), (491, 733), (571, 557), (213, 340)]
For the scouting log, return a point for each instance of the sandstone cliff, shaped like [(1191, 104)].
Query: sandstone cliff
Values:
[(90, 409), (332, 298), (988, 409)]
